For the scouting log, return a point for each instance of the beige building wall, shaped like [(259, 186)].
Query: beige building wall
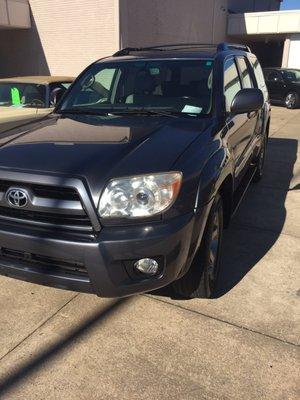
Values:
[(148, 22), (66, 36)]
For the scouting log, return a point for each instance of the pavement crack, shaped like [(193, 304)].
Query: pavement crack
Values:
[(222, 321), (39, 326)]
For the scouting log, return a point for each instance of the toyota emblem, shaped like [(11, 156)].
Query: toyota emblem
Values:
[(17, 198)]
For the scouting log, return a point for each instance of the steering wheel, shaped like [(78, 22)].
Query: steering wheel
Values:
[(37, 102)]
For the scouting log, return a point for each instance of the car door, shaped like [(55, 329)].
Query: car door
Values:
[(240, 127), (249, 133), (276, 85)]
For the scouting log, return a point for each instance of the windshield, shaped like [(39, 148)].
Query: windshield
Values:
[(179, 86), (13, 94), (292, 75)]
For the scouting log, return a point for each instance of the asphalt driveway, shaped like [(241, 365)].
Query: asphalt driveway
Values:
[(243, 345)]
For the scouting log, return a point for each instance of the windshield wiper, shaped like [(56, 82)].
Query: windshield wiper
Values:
[(136, 111), (119, 111), (82, 111), (164, 112)]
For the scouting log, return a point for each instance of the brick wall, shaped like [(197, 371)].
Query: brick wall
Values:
[(147, 22), (66, 36)]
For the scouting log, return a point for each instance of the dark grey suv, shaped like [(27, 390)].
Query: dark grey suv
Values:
[(128, 185)]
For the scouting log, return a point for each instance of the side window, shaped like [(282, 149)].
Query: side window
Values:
[(258, 73), (274, 77), (232, 83), (245, 73)]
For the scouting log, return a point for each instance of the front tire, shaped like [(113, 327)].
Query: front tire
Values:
[(201, 279), (292, 100)]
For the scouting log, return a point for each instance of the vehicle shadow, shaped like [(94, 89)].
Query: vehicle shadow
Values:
[(28, 367), (260, 219)]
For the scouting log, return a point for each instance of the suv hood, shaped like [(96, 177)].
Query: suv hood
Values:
[(98, 148)]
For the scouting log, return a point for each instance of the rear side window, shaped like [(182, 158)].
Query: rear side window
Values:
[(232, 83), (245, 73)]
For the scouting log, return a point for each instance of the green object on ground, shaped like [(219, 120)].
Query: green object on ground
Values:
[(15, 96)]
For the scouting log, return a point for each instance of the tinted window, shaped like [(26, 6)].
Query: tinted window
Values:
[(292, 75), (232, 83), (245, 73), (274, 76), (179, 85)]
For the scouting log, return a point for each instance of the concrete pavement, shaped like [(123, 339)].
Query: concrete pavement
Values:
[(242, 345)]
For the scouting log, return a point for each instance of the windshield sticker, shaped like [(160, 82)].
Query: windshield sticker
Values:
[(192, 109), (15, 96), (154, 71)]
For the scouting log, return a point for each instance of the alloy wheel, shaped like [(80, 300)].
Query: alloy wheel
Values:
[(291, 100)]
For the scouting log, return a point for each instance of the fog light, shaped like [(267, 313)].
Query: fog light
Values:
[(147, 266)]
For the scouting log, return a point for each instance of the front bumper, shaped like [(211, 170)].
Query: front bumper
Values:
[(105, 258)]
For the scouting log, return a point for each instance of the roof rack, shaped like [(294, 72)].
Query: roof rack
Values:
[(183, 46), (178, 46), (230, 46)]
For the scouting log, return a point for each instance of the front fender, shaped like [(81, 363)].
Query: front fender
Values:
[(214, 173)]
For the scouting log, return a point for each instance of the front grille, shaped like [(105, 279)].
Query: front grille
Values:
[(44, 191), (51, 207), (40, 261)]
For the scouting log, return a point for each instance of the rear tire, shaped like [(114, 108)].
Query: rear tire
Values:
[(292, 100), (200, 280)]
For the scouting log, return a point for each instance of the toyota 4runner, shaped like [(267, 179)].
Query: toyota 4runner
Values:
[(128, 185)]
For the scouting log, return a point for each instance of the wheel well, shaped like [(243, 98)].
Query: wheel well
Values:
[(226, 192)]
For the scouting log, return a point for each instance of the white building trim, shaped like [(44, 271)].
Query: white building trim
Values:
[(258, 23)]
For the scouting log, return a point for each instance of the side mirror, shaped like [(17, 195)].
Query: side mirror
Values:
[(247, 100), (56, 96)]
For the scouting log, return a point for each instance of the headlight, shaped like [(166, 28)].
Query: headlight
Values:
[(139, 196)]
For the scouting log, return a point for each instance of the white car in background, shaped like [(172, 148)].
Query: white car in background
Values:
[(24, 99)]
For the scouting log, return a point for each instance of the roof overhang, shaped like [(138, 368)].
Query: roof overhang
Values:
[(264, 23), (14, 14)]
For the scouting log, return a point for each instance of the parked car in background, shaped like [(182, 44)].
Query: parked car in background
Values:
[(284, 86), (23, 99), (127, 185)]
